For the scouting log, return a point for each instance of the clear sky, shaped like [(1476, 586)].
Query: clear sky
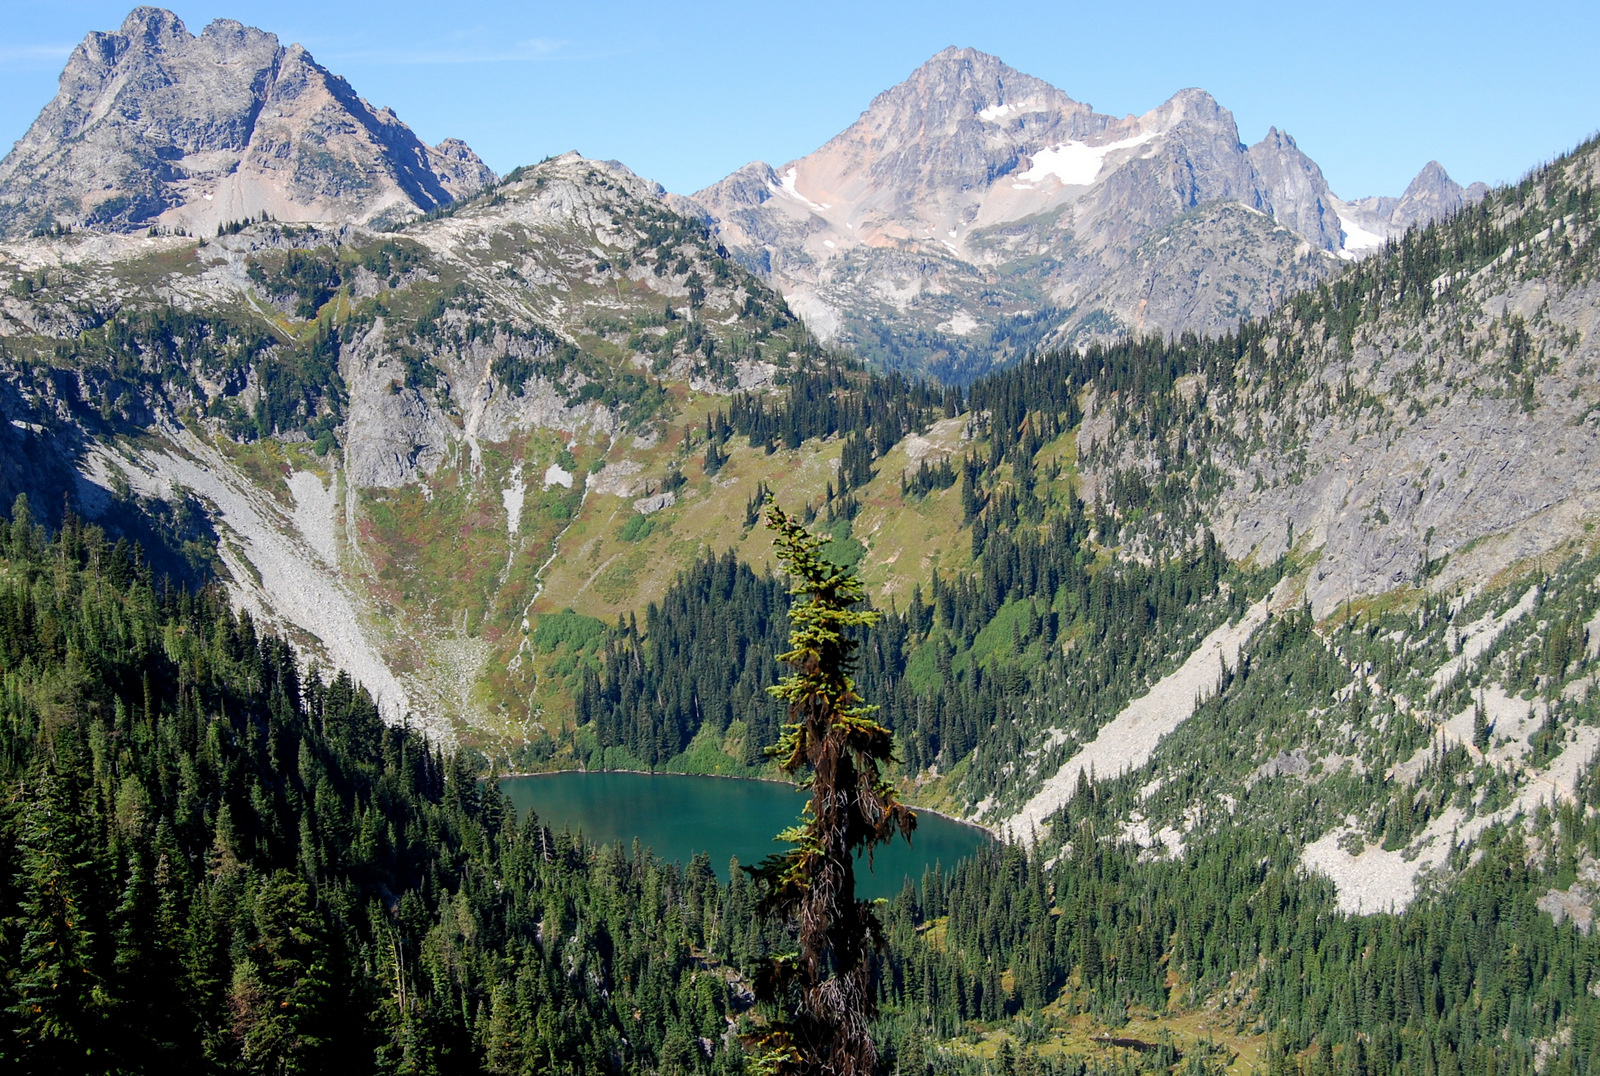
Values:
[(686, 92)]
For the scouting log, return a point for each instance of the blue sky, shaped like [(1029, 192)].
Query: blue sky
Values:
[(686, 92)]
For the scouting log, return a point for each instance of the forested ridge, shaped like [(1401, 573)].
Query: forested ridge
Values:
[(1075, 598)]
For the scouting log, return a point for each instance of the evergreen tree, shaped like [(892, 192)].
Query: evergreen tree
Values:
[(826, 989), (60, 999)]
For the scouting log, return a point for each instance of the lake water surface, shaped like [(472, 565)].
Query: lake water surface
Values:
[(677, 816)]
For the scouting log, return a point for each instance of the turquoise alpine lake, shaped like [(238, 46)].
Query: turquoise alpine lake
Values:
[(677, 817)]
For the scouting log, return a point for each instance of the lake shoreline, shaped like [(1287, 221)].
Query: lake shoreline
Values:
[(991, 834)]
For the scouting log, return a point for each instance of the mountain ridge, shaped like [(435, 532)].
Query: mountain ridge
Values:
[(971, 194), (155, 127), (970, 213)]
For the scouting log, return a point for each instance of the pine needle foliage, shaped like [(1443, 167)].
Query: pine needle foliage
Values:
[(825, 991)]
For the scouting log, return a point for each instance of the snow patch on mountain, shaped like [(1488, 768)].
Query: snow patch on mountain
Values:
[(1074, 163), (996, 113), (557, 475), (787, 186), (1356, 238)]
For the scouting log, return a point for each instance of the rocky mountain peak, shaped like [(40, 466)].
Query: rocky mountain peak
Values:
[(1195, 107), (751, 185), (1432, 194), (150, 27), (1296, 188), (956, 81), (152, 125), (956, 122)]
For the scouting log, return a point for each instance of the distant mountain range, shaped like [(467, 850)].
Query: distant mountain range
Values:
[(154, 127), (971, 212), (973, 209)]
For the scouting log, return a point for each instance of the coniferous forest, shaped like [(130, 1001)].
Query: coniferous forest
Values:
[(215, 861)]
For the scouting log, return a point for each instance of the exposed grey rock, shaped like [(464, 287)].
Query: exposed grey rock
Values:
[(1468, 473), (154, 126), (1578, 901), (1283, 764), (980, 210), (392, 433), (1296, 188), (1431, 195), (1423, 452), (655, 502)]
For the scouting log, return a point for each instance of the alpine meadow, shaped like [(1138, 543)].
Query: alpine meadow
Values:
[(1218, 554)]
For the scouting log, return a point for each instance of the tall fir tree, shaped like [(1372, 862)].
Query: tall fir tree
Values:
[(825, 990)]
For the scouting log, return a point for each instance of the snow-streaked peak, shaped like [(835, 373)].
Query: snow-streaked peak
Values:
[(787, 186)]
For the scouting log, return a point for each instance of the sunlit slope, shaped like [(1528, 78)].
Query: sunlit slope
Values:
[(1124, 531), (381, 435)]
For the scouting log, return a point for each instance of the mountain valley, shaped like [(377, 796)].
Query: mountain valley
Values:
[(1233, 547)]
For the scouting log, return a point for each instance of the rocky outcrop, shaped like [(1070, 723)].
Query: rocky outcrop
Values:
[(1433, 194), (1297, 191), (1454, 481), (153, 126)]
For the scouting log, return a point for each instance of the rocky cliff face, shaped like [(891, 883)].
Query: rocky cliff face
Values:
[(974, 209), (153, 126), (1438, 439)]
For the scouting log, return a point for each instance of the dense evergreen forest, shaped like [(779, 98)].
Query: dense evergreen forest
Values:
[(215, 861), (985, 647)]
